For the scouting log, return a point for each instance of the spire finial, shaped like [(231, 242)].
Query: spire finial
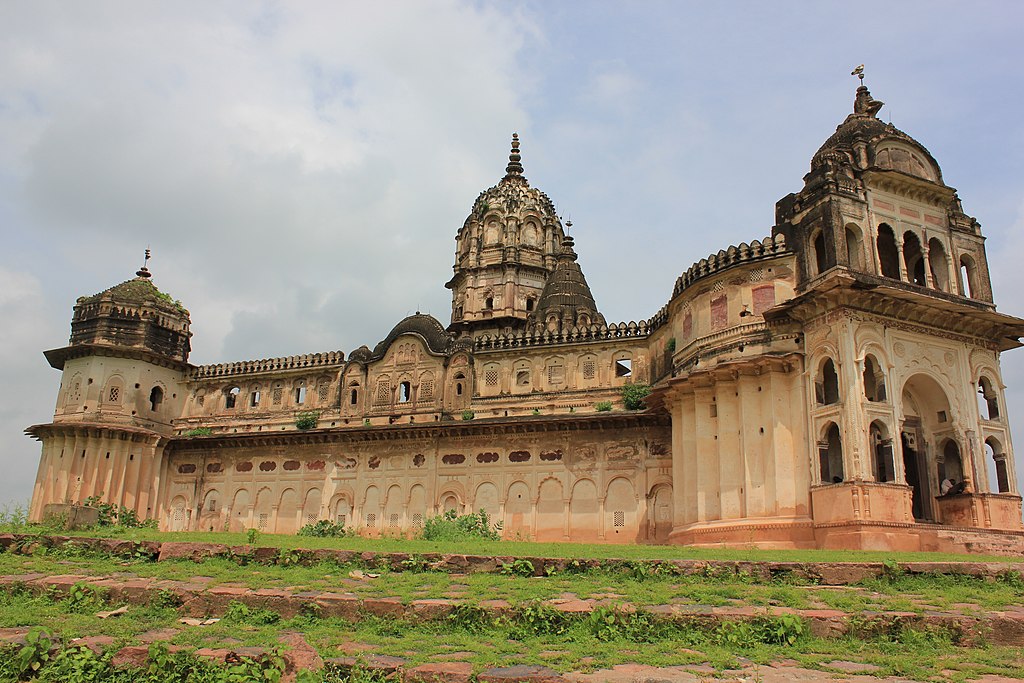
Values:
[(515, 166), (143, 272)]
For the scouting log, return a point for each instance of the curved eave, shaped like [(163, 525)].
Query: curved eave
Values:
[(40, 431), (58, 357), (900, 300)]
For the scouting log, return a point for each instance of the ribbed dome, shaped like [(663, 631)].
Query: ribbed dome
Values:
[(566, 301), (863, 126), (513, 193), (426, 327)]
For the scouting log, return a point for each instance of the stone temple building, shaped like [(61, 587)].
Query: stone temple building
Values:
[(815, 388)]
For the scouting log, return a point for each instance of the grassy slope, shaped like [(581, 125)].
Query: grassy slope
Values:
[(526, 549)]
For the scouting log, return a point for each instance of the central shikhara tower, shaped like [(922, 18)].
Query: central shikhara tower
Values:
[(835, 384)]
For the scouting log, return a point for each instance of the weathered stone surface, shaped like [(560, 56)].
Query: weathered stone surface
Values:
[(432, 608), (131, 656), (636, 673), (298, 656), (442, 672), (384, 607), (520, 674), (197, 552)]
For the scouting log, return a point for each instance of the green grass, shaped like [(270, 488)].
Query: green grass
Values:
[(538, 635), (526, 549), (909, 654)]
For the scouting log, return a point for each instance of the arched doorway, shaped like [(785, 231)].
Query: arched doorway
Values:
[(926, 423)]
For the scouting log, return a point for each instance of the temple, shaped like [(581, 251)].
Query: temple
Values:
[(835, 384)]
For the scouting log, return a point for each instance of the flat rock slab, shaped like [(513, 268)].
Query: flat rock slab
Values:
[(443, 672), (853, 667), (520, 674)]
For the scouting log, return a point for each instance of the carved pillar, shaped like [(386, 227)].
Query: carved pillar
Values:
[(928, 279)]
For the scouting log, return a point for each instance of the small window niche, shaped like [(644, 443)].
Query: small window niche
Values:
[(156, 398), (231, 398), (624, 367), (254, 397), (300, 394), (404, 392)]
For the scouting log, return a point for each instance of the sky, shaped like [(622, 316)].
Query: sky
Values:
[(300, 169)]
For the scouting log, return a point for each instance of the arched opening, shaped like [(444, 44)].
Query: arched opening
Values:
[(926, 423), (404, 392), (826, 386), (830, 456), (489, 303), (998, 470), (938, 265), (529, 304), (951, 468), (913, 257), (888, 254), (988, 400), (882, 452), (874, 380), (968, 275), (820, 260), (231, 397), (254, 397), (156, 397), (854, 248)]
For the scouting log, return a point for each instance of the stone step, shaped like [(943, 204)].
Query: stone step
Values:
[(196, 598), (299, 656), (820, 573)]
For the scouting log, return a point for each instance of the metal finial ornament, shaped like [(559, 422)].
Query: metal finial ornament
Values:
[(143, 272), (859, 73)]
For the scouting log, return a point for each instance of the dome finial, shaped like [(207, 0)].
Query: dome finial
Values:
[(143, 272), (864, 103), (515, 166)]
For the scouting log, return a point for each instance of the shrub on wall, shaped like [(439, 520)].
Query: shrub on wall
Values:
[(603, 406), (468, 415), (307, 420), (633, 396)]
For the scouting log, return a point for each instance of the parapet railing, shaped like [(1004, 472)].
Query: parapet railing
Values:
[(575, 335), (247, 367), (757, 250)]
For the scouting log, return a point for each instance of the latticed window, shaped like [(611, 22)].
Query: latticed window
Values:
[(618, 518), (383, 391), (277, 395), (589, 369), (393, 519), (340, 519), (371, 520), (264, 521), (115, 394), (491, 377), (427, 388), (323, 392), (201, 399), (417, 519), (213, 505), (311, 518)]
